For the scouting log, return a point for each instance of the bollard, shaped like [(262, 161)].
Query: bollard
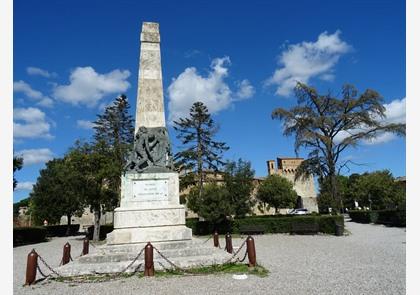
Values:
[(149, 268), (250, 249), (66, 253), (31, 266), (85, 246), (216, 239), (229, 247)]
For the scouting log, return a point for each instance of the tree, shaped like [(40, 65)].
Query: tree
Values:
[(378, 190), (114, 131), (238, 178), (17, 165), (277, 192), (202, 152), (326, 126), (57, 192), (213, 204), (94, 164)]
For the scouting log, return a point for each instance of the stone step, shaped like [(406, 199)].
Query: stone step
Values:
[(137, 247), (74, 268), (100, 257)]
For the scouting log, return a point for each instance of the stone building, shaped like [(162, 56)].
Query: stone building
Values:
[(305, 189)]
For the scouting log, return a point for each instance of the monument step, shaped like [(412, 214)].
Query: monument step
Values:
[(75, 268), (128, 256)]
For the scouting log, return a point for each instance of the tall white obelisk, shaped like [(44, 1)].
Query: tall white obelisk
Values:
[(150, 210)]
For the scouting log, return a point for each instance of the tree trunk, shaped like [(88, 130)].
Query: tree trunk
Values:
[(68, 224), (96, 225)]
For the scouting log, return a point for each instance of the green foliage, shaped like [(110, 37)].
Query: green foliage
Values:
[(213, 203), (319, 121), (28, 235), (277, 192), (61, 230), (238, 178), (377, 189), (114, 137), (201, 152), (270, 223), (57, 192), (393, 217), (17, 165)]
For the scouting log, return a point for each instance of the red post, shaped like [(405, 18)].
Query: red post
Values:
[(31, 267), (229, 247), (66, 253), (149, 268), (250, 248), (216, 239), (85, 246)]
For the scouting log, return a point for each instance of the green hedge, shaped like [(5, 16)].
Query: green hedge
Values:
[(387, 217), (103, 231), (28, 235), (61, 230), (270, 223)]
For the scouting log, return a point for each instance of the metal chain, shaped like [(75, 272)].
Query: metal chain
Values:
[(167, 260), (236, 253), (243, 258), (49, 267), (40, 271), (208, 239)]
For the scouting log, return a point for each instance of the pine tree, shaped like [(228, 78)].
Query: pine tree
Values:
[(17, 165), (202, 152), (114, 130)]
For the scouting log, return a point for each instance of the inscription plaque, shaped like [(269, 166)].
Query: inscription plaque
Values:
[(150, 190)]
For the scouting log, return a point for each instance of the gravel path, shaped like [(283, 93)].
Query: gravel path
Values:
[(370, 260)]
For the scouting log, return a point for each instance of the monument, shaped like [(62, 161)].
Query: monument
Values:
[(149, 209)]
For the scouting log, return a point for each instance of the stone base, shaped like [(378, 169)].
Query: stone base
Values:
[(149, 234), (115, 258)]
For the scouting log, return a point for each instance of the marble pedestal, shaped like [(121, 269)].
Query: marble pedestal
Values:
[(149, 210)]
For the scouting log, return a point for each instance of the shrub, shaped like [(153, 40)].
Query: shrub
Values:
[(103, 231), (61, 230), (360, 216), (392, 217), (28, 235), (270, 223)]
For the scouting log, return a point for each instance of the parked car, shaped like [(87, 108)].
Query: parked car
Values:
[(301, 211)]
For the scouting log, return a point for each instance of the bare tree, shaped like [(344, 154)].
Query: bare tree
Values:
[(327, 125)]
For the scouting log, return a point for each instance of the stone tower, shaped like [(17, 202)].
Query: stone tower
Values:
[(305, 189)]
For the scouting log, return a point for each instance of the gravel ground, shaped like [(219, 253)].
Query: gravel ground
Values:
[(370, 260)]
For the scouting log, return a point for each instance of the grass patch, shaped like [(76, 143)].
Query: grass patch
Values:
[(230, 268)]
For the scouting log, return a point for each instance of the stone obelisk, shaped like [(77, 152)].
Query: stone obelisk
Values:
[(149, 209), (150, 110)]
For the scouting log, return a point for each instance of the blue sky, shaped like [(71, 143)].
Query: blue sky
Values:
[(73, 58)]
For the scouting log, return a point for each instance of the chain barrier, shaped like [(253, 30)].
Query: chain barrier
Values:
[(208, 239), (116, 275), (236, 253)]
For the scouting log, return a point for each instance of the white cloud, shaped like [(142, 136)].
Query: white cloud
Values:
[(87, 87), (24, 186), (213, 91), (394, 112), (32, 123), (306, 60), (34, 71), (84, 124), (35, 156), (25, 88), (246, 90)]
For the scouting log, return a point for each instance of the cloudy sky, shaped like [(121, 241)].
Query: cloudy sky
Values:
[(242, 61)]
